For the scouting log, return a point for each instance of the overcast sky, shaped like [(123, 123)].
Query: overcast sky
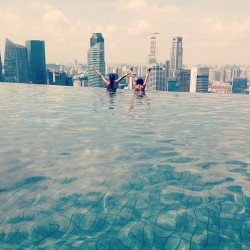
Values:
[(213, 31)]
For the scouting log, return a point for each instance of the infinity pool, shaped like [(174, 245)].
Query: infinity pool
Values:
[(84, 169)]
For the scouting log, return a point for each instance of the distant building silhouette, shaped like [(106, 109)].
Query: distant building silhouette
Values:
[(16, 68), (58, 78), (176, 55), (1, 70), (96, 59), (37, 61)]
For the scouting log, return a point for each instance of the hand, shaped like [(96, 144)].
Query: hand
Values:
[(149, 69), (131, 68), (93, 68)]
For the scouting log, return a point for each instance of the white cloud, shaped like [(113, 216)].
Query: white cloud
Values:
[(139, 28), (106, 29), (228, 29), (132, 4), (146, 9)]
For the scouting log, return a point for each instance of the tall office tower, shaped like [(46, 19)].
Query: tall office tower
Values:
[(96, 59), (167, 68), (156, 79), (37, 63), (176, 54), (153, 48), (16, 67), (1, 70), (239, 85), (199, 79), (183, 79)]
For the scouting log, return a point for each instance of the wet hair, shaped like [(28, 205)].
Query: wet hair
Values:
[(139, 81), (112, 80)]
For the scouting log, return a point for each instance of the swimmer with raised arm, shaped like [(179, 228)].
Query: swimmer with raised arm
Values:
[(111, 84), (139, 84)]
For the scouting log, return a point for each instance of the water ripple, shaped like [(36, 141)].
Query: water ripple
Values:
[(82, 169)]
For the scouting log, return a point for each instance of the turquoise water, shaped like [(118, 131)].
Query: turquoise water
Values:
[(84, 169)]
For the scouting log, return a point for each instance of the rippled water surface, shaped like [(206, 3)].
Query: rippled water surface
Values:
[(84, 169)]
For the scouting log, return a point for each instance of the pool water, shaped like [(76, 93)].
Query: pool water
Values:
[(81, 168)]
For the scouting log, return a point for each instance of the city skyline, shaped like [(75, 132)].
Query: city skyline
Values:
[(213, 32)]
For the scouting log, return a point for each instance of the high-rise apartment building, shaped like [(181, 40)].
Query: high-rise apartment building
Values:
[(96, 59), (16, 67), (156, 79), (176, 55), (37, 62), (199, 79), (153, 48), (1, 70)]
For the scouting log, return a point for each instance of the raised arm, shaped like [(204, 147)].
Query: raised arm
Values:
[(119, 79), (102, 77), (146, 79), (132, 76)]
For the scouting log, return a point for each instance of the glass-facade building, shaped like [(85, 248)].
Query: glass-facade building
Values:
[(16, 67), (37, 61), (202, 80), (96, 59), (199, 79), (183, 79), (1, 70), (172, 85), (176, 54), (239, 85)]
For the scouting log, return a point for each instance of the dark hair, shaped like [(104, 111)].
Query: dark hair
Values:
[(139, 81), (112, 80)]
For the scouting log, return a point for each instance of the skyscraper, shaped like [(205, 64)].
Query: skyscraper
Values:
[(153, 48), (16, 66), (176, 54), (1, 70), (37, 62), (96, 59)]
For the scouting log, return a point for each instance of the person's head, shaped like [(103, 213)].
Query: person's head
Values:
[(139, 81)]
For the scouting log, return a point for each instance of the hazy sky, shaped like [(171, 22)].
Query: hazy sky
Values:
[(213, 31)]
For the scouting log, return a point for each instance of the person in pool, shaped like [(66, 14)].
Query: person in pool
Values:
[(112, 83), (139, 84)]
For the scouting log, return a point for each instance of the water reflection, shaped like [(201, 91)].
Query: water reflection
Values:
[(112, 96), (139, 98)]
